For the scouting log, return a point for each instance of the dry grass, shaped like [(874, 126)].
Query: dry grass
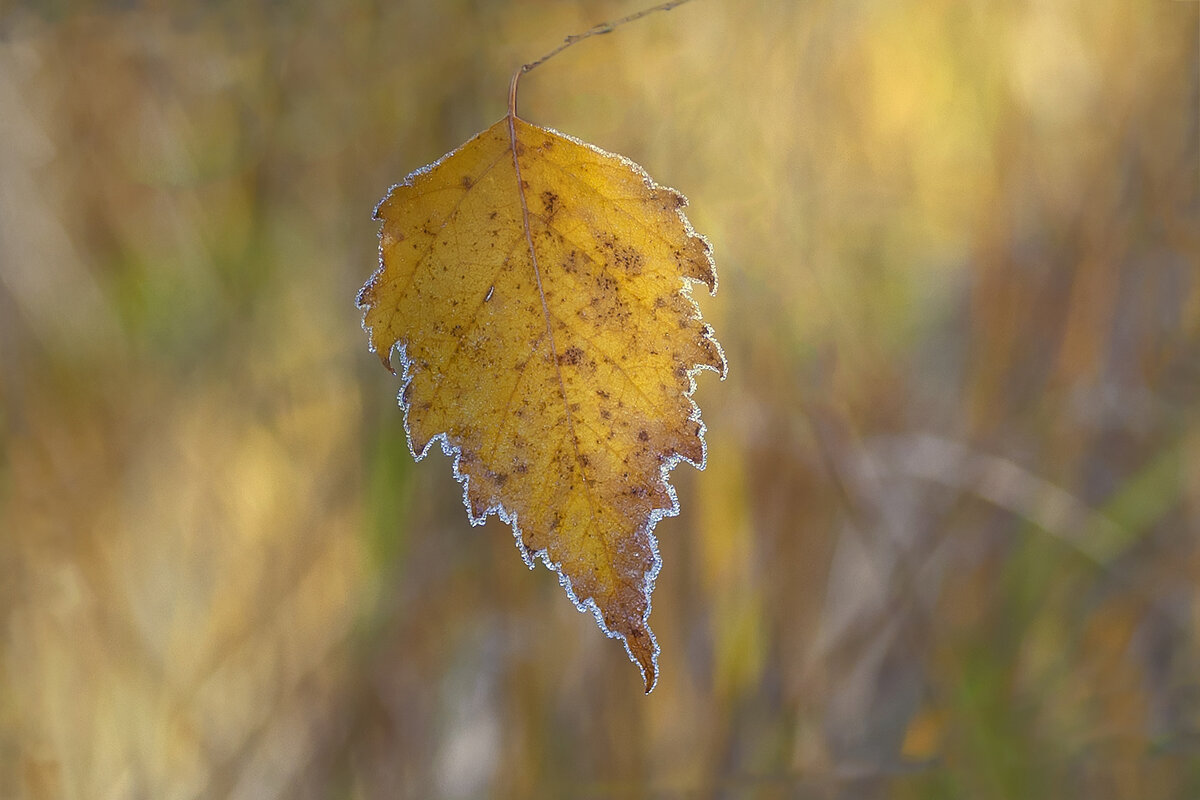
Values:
[(947, 544)]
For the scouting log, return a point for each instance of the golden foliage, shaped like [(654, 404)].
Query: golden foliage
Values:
[(950, 256), (539, 289)]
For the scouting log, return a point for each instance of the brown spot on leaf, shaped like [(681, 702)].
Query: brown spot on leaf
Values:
[(628, 258), (572, 356)]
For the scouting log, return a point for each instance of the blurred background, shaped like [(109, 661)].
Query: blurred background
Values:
[(948, 541)]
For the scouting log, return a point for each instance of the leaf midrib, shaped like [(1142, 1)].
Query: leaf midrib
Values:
[(537, 273)]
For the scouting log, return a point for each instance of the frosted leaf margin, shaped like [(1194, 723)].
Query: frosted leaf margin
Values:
[(454, 452)]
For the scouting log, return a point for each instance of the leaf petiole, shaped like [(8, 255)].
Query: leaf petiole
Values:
[(596, 30)]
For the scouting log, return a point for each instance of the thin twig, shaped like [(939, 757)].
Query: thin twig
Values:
[(595, 30)]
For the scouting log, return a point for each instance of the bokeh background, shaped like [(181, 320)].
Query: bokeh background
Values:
[(948, 540)]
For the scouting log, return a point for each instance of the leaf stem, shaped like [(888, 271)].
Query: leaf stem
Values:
[(595, 30)]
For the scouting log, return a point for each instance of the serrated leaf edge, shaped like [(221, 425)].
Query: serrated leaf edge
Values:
[(511, 518)]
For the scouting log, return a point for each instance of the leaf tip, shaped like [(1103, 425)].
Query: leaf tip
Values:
[(643, 650), (650, 673)]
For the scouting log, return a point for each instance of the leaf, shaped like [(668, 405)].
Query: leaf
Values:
[(537, 290)]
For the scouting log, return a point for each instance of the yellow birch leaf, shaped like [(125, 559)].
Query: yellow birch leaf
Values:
[(537, 292)]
